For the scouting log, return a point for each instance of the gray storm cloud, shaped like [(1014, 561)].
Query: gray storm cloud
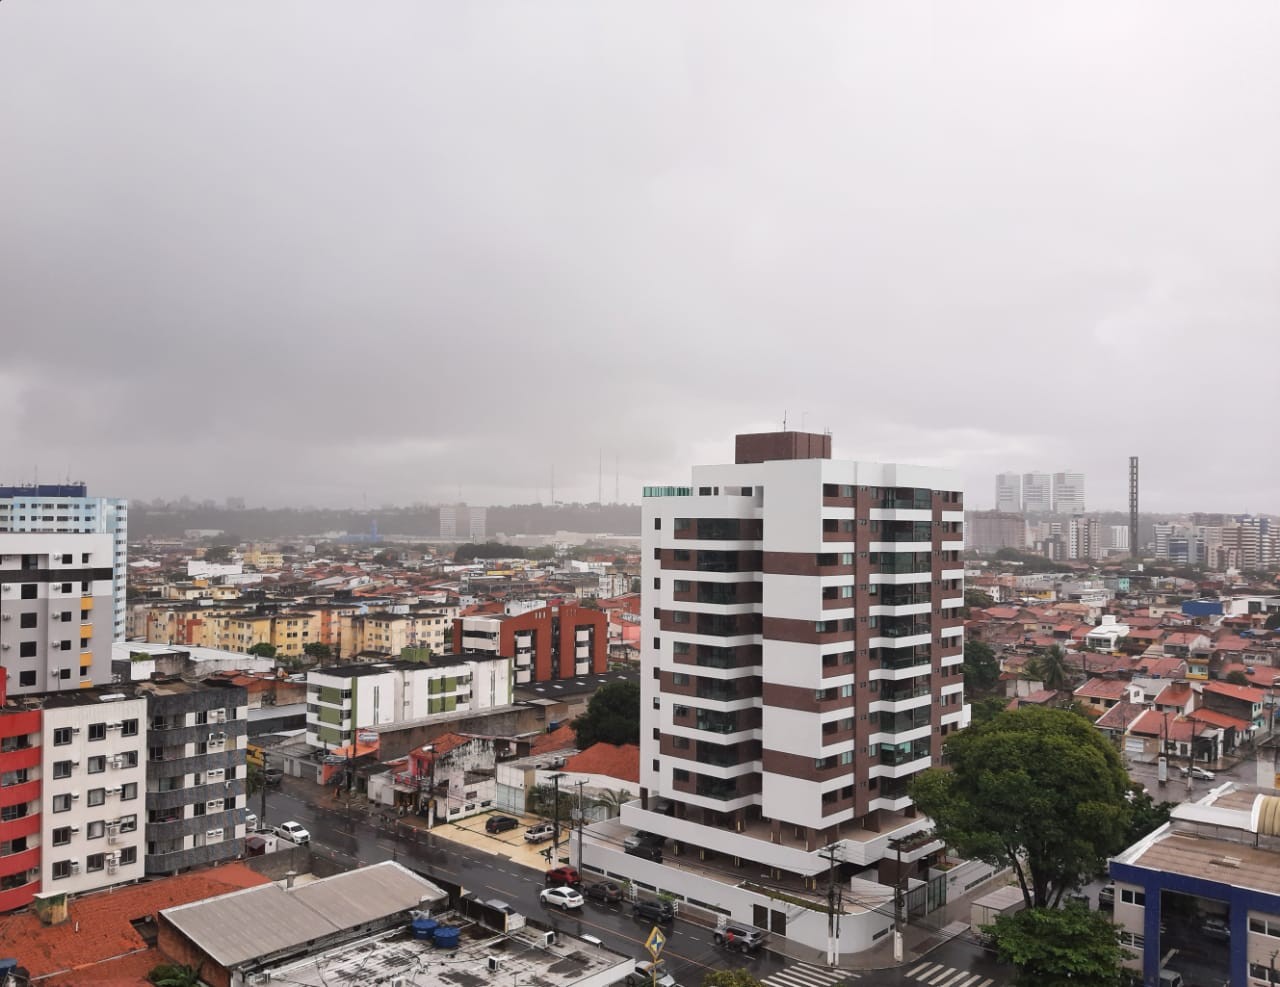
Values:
[(312, 251)]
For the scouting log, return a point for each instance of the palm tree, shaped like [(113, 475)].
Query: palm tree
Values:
[(1051, 669), (173, 975), (614, 800)]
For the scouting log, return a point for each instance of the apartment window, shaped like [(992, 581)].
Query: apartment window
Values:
[(680, 774), (29, 591), (202, 717), (1131, 897), (657, 703), (128, 824), (129, 855), (846, 757), (679, 679), (682, 586), (66, 646), (129, 759), (61, 736), (97, 764), (657, 765), (28, 620), (62, 803), (95, 861), (95, 830), (62, 769), (657, 524), (27, 649), (657, 583), (657, 643), (62, 836), (97, 796), (679, 743), (129, 791), (65, 616), (84, 558), (26, 678), (129, 728), (61, 869), (97, 731), (11, 812)]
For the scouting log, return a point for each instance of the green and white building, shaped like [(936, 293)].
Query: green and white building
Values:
[(345, 699)]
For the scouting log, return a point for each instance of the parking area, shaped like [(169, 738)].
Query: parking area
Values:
[(471, 832)]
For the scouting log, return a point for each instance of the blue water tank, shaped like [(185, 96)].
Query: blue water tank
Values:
[(424, 928), (447, 937)]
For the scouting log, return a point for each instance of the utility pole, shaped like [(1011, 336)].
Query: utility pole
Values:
[(899, 909), (581, 819), (830, 852), (555, 831), (262, 778)]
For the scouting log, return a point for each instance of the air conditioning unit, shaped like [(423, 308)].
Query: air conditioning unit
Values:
[(113, 791), (219, 716), (75, 867), (114, 726), (494, 964), (7, 616), (112, 866), (113, 834), (74, 829), (75, 796), (117, 761), (4, 647)]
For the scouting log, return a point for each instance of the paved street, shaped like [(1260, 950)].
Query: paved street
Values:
[(690, 952)]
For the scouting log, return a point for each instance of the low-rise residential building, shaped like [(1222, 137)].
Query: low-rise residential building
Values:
[(552, 641)]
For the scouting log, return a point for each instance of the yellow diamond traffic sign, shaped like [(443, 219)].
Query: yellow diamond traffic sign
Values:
[(655, 942)]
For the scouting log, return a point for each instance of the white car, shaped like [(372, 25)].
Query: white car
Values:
[(293, 831), (565, 898), (1199, 772)]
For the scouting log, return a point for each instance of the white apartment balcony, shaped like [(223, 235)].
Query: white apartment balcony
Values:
[(953, 603), (524, 660), (957, 631), (694, 734), (922, 697), (890, 804), (912, 641), (583, 637), (902, 736), (900, 770), (582, 651), (717, 804), (949, 660), (952, 574), (713, 770), (902, 514), (901, 546), (524, 676), (901, 578), (582, 668), (960, 717), (900, 609), (903, 673), (953, 516)]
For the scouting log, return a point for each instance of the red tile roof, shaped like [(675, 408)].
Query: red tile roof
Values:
[(1103, 689), (1175, 728), (1216, 719), (1119, 716), (103, 922), (621, 762), (560, 739), (1174, 694), (1245, 693), (1166, 667)]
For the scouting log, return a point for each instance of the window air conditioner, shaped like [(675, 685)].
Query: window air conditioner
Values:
[(75, 867)]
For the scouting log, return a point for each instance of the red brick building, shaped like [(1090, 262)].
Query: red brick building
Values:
[(556, 641)]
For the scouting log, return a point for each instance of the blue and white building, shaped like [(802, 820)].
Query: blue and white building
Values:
[(67, 508)]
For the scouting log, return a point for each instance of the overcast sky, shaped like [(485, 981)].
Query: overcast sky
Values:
[(318, 252)]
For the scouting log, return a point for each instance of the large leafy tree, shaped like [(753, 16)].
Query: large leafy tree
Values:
[(612, 716), (1061, 947), (981, 669), (1038, 790)]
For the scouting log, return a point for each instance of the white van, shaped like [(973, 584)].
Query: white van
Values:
[(1170, 978)]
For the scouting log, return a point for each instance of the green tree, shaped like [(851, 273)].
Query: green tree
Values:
[(253, 780), (729, 978), (614, 800), (1237, 677), (1273, 621), (612, 716), (1051, 668), (987, 708), (263, 650), (1147, 815), (317, 650), (1061, 947), (981, 670), (1038, 790), (174, 975), (218, 554), (977, 598)]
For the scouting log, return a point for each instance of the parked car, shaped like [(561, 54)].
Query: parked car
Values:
[(294, 832), (563, 897), (558, 876), (646, 851), (644, 974), (1198, 772), (540, 833), (606, 891), (642, 838), (1216, 929), (654, 911), (500, 824), (1107, 897), (273, 776), (743, 938)]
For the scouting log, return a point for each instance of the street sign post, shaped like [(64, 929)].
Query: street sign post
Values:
[(655, 942)]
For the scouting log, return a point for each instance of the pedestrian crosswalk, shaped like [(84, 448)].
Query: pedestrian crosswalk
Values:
[(804, 975), (940, 975)]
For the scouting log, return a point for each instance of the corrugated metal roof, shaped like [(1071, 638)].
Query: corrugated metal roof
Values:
[(246, 925)]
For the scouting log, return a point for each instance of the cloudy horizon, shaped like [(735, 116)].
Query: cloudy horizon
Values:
[(340, 254)]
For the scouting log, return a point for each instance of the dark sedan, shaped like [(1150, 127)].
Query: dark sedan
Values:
[(606, 891)]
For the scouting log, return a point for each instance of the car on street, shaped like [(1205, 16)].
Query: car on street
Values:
[(562, 897), (1216, 929), (294, 832), (606, 891), (654, 911), (273, 776), (645, 972), (743, 938), (558, 876), (1201, 773), (540, 832), (500, 824)]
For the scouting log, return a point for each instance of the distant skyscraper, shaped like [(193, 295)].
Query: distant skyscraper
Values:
[(1084, 538), (448, 521), (476, 530), (1037, 492), (66, 508), (1119, 537), (1068, 493), (1008, 493)]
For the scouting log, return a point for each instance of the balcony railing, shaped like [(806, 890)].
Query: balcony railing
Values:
[(904, 753), (894, 563), (904, 722), (888, 629), (716, 789)]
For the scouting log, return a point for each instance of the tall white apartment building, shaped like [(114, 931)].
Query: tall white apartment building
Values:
[(448, 520), (1037, 493), (802, 647), (1068, 493), (1118, 537), (56, 611), (67, 509), (1084, 538), (1009, 493), (477, 528)]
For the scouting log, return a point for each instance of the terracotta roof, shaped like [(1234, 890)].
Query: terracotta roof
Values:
[(1040, 697), (1164, 667), (1174, 694), (1216, 719), (1001, 613), (1103, 689), (1119, 716), (104, 922), (621, 762), (1261, 676), (560, 739), (1245, 693), (1176, 728), (1183, 637)]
